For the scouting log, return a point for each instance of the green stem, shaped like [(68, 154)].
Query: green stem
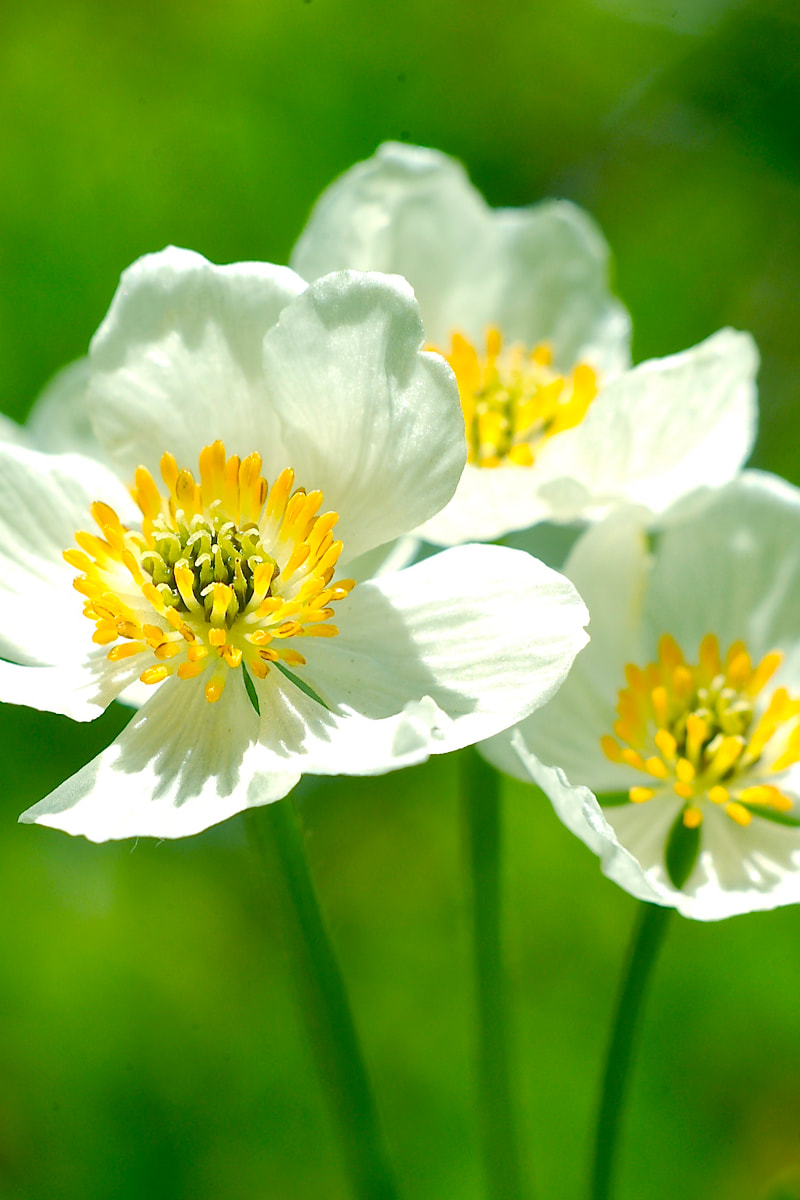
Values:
[(275, 832), (482, 818), (645, 944)]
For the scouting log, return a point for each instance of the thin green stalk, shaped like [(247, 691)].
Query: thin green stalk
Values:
[(646, 941), (503, 1169), (276, 834)]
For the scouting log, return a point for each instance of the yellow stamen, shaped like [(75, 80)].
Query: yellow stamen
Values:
[(220, 568)]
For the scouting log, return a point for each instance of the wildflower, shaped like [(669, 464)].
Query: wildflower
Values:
[(558, 429), (677, 735), (264, 435)]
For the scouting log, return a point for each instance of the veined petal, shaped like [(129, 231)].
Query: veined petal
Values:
[(178, 767), (540, 273), (407, 211), (488, 633), (80, 688), (551, 271), (744, 544), (658, 431), (59, 420), (177, 360), (44, 499), (374, 421)]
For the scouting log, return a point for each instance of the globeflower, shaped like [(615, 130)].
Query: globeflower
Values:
[(558, 427), (264, 436), (673, 750)]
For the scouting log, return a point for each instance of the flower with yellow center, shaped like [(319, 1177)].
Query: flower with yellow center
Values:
[(519, 303), (265, 435), (673, 750)]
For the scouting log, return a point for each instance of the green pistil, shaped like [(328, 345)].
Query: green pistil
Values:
[(215, 551)]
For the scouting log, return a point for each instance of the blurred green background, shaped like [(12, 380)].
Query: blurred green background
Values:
[(148, 1041)]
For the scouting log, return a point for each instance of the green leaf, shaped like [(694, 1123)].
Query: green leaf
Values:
[(250, 688), (613, 799), (770, 814), (680, 855), (304, 687)]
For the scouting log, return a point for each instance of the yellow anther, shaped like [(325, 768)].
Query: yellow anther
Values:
[(764, 672), (684, 790), (146, 493), (697, 732), (710, 660), (189, 670), (718, 794), (684, 770), (692, 818), (738, 813), (259, 668), (670, 652), (657, 767), (167, 650), (154, 674), (611, 748), (126, 650), (214, 689), (767, 795), (660, 702), (638, 795), (726, 755), (232, 655), (221, 597), (292, 658), (217, 637), (666, 743)]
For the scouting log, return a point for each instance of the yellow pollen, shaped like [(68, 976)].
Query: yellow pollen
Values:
[(705, 732), (513, 400), (218, 569)]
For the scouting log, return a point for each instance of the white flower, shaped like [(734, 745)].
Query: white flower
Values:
[(558, 429), (223, 595), (59, 419), (683, 715)]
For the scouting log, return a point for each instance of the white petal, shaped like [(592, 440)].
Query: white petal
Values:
[(177, 360), (734, 569), (662, 429), (609, 568), (10, 431), (181, 765), (300, 732), (76, 687), (488, 633), (406, 211), (44, 499), (539, 273), (393, 556), (578, 809), (59, 420), (366, 416), (549, 283), (488, 504)]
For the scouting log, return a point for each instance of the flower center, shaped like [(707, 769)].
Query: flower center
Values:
[(513, 401), (704, 733), (222, 573)]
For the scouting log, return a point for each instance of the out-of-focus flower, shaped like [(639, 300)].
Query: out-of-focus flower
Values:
[(558, 429), (209, 569), (673, 750)]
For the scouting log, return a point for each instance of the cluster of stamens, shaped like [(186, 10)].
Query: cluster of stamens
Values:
[(700, 733), (514, 401), (222, 574)]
